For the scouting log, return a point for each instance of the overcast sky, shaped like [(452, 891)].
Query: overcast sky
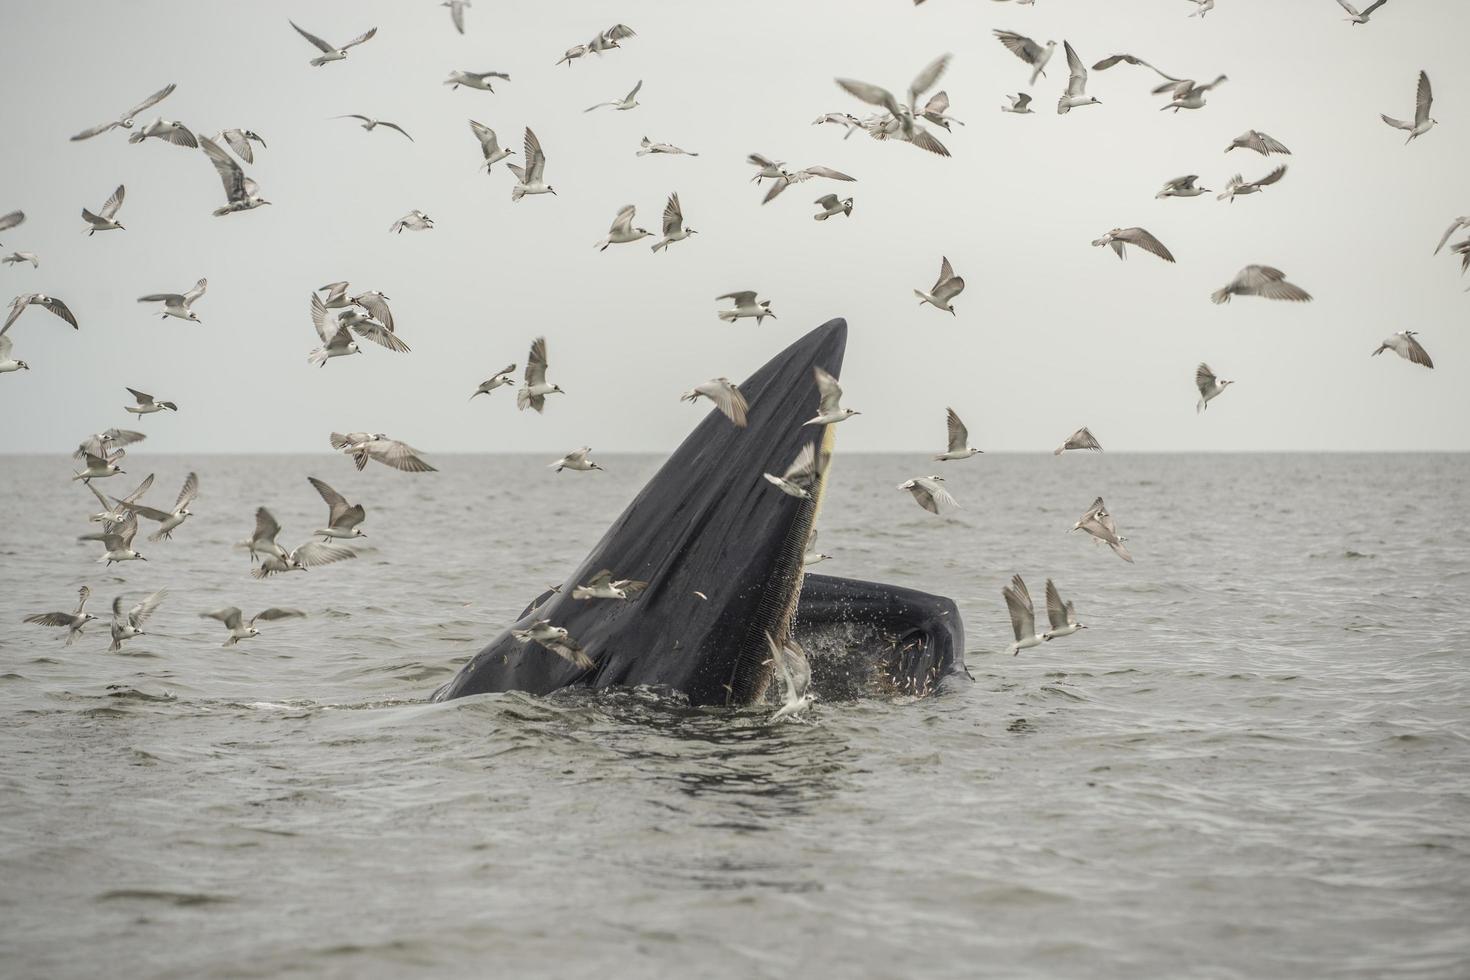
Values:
[(1051, 333)]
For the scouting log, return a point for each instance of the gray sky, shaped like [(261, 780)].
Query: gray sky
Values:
[(1051, 333)]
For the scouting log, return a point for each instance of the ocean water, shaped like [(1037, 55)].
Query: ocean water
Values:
[(1255, 763)]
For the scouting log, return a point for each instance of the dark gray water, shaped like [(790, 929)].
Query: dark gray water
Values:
[(1256, 763)]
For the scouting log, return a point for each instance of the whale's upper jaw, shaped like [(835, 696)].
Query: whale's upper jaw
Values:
[(706, 523)]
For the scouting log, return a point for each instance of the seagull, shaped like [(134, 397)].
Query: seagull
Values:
[(1081, 439), (575, 460), (928, 493), (377, 326), (1187, 94), (1261, 280), (1028, 51), (726, 396), (370, 124), (336, 337), (337, 297), (1138, 238), (811, 556), (766, 168), (901, 119), (475, 79), (415, 220), (104, 219), (533, 393), (98, 467), (796, 678), (501, 377), (103, 443), (1099, 523), (1023, 616), (126, 119), (1209, 386), (11, 220), (604, 586), (48, 303), (628, 101), (1423, 99), (167, 130), (118, 542), (674, 230), (15, 258), (945, 288), (178, 304), (330, 53), (829, 411), (490, 147), (935, 111), (117, 511), (240, 629), (609, 38), (622, 230), (846, 119), (363, 446), (1183, 187), (1237, 186), (557, 640), (959, 438), (1354, 16), (1404, 345), (146, 405), (647, 146), (1076, 94), (832, 205), (241, 193), (802, 475), (342, 519), (746, 305), (531, 177), (1020, 104), (789, 177), (73, 622), (7, 364), (167, 520), (1061, 614), (1253, 139), (573, 53), (1202, 7), (308, 555), (239, 140), (263, 539), (127, 624), (456, 12), (1460, 222)]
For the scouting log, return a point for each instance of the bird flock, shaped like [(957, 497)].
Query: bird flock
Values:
[(341, 317)]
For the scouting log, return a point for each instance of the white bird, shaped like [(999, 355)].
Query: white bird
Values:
[(1137, 237), (832, 205), (959, 439), (336, 337), (128, 623), (299, 559), (673, 226), (572, 54), (241, 193), (810, 555), (608, 39), (502, 377), (1237, 186), (802, 475), (365, 446), (1210, 387), (1020, 104), (1253, 139), (103, 443), (415, 220), (242, 629), (1081, 439), (1188, 94), (126, 119), (557, 640), (1261, 280), (118, 510), (626, 102), (482, 80), (178, 304), (1461, 222), (98, 467), (337, 297), (796, 678), (117, 542), (167, 130), (370, 124), (490, 147), (604, 586), (167, 520), (726, 396), (72, 622), (342, 517), (928, 493), (1202, 7), (7, 363), (936, 110), (1423, 99), (15, 258), (49, 303), (1099, 523), (846, 119), (788, 177), (531, 178), (746, 305), (1183, 187), (1404, 345), (1023, 616), (532, 394), (1076, 94), (575, 460), (328, 52), (456, 12), (1354, 16), (1028, 51), (105, 218), (647, 146), (945, 288), (900, 120), (829, 412), (377, 326), (1062, 616), (622, 230), (146, 405), (239, 140)]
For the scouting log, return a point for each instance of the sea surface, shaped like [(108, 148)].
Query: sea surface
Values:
[(1255, 763)]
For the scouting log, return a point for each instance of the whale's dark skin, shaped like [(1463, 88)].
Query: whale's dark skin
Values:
[(709, 523)]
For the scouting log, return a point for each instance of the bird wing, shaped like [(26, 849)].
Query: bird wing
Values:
[(1022, 100), (397, 127), (196, 292), (17, 307), (617, 32), (803, 468), (830, 390), (87, 134), (113, 203), (376, 307), (1204, 378), (959, 436), (1422, 100), (489, 144), (777, 186), (1352, 11), (151, 101), (124, 532), (1374, 6), (178, 134), (1018, 602), (1084, 439), (927, 79), (266, 526), (12, 219), (229, 171), (623, 223), (926, 140), (321, 45), (315, 553), (1270, 145), (142, 488), (673, 215), (5, 345), (1417, 354), (360, 39), (949, 289), (728, 399), (379, 334), (1271, 283), (745, 297), (1145, 241), (1056, 610), (456, 14), (139, 614), (324, 329), (936, 106), (535, 159), (51, 619), (633, 94), (398, 455), (1272, 177), (1020, 46), (934, 496), (54, 305), (142, 397), (230, 616), (603, 577), (763, 162), (274, 613), (187, 492), (237, 142), (336, 503), (1077, 83), (536, 362), (828, 172), (871, 94), (827, 202), (788, 683), (1456, 226)]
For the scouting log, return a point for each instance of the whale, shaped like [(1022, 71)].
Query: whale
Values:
[(721, 552)]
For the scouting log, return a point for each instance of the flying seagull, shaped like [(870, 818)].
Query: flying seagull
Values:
[(928, 493), (1099, 523), (415, 220), (1062, 616), (829, 411), (370, 124), (328, 52), (1356, 18), (49, 303), (831, 205), (784, 178), (1404, 345), (118, 542), (167, 130), (8, 364), (377, 326), (530, 178), (647, 146), (16, 258), (309, 555), (241, 193), (557, 640), (945, 289), (604, 586), (801, 477), (796, 678), (1076, 94), (900, 120), (168, 520), (242, 629), (1137, 237), (104, 219), (501, 377), (342, 518), (622, 230), (1081, 439), (363, 446), (1423, 99), (103, 443), (1023, 616), (674, 230), (178, 304), (1028, 51), (936, 111), (811, 556), (847, 119), (1237, 186), (128, 623), (1261, 280), (456, 12), (72, 622), (482, 80), (726, 396), (1020, 104), (126, 119), (628, 101), (746, 305), (490, 147), (1183, 187), (577, 459), (1255, 140), (532, 394), (146, 405), (98, 467), (1188, 94), (239, 140), (959, 439), (1210, 387)]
